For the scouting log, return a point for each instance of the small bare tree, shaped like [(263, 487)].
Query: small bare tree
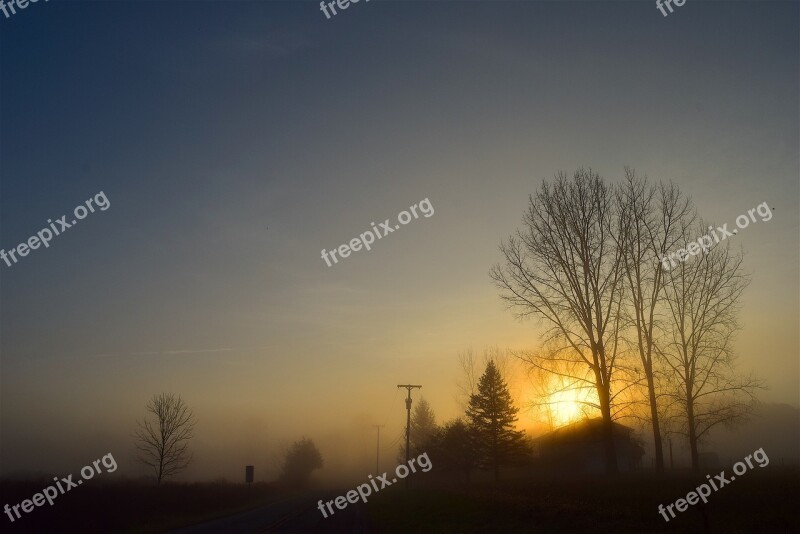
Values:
[(163, 439)]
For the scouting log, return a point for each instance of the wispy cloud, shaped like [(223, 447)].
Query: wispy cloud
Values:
[(165, 352), (184, 351)]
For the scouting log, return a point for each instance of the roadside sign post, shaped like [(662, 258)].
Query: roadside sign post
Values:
[(248, 477)]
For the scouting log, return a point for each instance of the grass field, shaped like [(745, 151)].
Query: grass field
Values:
[(762, 501), (759, 502)]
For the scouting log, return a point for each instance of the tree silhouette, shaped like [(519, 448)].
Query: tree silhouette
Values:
[(423, 427), (163, 441), (454, 449), (652, 222), (704, 301), (302, 458), (564, 267), (472, 364), (492, 415)]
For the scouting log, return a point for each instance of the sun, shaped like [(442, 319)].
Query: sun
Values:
[(565, 401), (565, 407), (559, 400)]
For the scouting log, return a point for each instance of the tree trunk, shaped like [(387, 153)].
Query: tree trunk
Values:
[(495, 454), (692, 434), (659, 452), (496, 466), (608, 432)]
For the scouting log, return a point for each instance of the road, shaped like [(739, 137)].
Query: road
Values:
[(293, 514)]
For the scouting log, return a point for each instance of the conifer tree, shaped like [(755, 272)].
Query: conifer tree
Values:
[(423, 426), (492, 415), (454, 449)]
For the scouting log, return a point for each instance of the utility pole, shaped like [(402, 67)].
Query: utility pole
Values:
[(408, 387), (378, 450)]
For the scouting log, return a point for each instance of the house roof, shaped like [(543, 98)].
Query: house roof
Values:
[(583, 430)]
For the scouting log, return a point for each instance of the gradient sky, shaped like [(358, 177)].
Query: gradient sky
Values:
[(235, 140)]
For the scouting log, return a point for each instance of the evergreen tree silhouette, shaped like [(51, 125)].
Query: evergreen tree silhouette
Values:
[(492, 415), (423, 427)]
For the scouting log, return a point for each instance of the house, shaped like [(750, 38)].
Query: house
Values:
[(579, 448)]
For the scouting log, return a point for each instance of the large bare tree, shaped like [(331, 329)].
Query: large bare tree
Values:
[(162, 438), (704, 295), (652, 222), (564, 268)]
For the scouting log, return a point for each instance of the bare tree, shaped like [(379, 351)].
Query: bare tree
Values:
[(468, 381), (652, 221), (163, 439), (704, 299), (565, 269)]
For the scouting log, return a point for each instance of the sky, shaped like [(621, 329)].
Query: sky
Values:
[(236, 140)]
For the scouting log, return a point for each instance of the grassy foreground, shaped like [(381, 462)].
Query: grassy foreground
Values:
[(763, 501)]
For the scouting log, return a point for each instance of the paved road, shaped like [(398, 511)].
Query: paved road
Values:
[(294, 514)]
